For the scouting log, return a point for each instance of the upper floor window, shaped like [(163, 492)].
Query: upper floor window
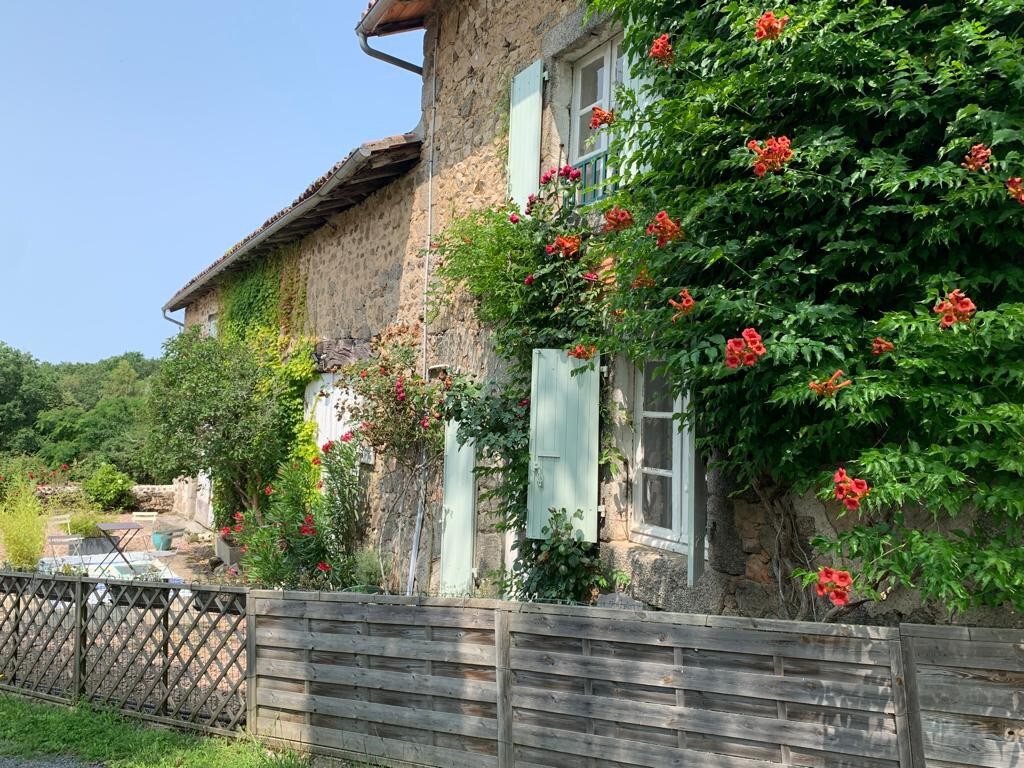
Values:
[(664, 484), (596, 75)]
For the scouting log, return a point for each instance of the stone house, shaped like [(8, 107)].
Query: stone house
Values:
[(507, 91)]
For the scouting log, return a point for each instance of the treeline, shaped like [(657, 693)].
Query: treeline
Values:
[(77, 414)]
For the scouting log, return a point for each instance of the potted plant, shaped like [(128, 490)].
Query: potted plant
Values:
[(85, 523), (226, 547)]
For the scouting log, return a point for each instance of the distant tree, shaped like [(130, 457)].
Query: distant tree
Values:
[(25, 390)]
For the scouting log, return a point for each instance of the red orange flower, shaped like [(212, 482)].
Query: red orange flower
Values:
[(567, 245), (617, 219), (664, 228), (581, 352), (528, 280), (772, 156), (835, 584), (978, 159), (880, 346), (601, 117), (955, 308), (347, 437), (661, 50), (326, 447), (323, 567), (769, 26), (1015, 187), (316, 461), (831, 386), (268, 490), (850, 490), (744, 350), (684, 306)]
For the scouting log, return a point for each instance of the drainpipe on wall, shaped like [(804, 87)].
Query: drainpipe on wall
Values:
[(386, 57), (170, 319)]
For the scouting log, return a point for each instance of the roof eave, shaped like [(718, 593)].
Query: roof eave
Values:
[(350, 168), (373, 23)]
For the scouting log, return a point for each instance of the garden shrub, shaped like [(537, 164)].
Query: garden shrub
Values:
[(22, 526), (844, 181), (309, 531), (109, 488), (559, 567), (84, 523)]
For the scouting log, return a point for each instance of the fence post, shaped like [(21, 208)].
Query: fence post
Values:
[(81, 620), (503, 678), (908, 670), (250, 662)]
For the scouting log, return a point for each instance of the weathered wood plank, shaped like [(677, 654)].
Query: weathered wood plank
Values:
[(794, 645), (376, 679), (635, 753), (770, 730), (469, 618), (972, 741), (971, 655), (872, 698), (467, 653), (356, 709), (366, 745), (504, 686)]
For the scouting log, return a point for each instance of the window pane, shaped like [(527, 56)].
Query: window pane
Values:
[(620, 67), (656, 434), (656, 501), (584, 145), (592, 83), (657, 396)]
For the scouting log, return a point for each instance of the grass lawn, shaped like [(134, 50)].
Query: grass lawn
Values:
[(30, 729)]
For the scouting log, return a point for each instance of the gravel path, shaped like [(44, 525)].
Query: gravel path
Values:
[(44, 762)]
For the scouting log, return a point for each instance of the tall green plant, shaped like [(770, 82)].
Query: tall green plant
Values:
[(840, 169), (22, 526)]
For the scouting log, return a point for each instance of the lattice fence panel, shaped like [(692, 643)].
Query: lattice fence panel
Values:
[(37, 635), (165, 652)]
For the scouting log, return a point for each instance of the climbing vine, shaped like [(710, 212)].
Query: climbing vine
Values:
[(840, 294)]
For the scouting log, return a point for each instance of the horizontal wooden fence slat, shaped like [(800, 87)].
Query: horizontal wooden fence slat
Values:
[(871, 698), (359, 745), (469, 618), (379, 713), (466, 653), (794, 645), (405, 682), (772, 730)]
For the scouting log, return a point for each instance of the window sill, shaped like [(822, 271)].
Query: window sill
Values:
[(656, 542)]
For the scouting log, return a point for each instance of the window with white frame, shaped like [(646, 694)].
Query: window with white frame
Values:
[(596, 75), (211, 324), (664, 484)]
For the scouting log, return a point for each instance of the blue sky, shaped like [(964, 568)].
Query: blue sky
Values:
[(140, 140)]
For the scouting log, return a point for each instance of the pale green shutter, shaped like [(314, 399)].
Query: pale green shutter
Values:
[(563, 440), (458, 521), (695, 504), (524, 133)]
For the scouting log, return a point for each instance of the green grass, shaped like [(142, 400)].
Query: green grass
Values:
[(30, 729)]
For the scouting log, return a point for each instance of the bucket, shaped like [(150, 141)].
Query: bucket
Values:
[(161, 541)]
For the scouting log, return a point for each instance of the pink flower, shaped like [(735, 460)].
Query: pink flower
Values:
[(347, 437), (591, 277), (528, 280), (514, 218)]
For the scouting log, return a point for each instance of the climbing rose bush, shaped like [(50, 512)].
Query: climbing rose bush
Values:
[(840, 170)]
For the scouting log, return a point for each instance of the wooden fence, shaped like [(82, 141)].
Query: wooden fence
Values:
[(480, 684), (164, 652)]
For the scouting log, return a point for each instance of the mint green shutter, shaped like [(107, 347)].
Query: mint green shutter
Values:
[(563, 440), (524, 133), (458, 510)]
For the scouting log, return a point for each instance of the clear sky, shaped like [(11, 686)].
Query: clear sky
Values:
[(140, 140)]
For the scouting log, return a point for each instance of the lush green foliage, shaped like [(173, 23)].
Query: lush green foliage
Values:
[(84, 523), (80, 414), (33, 730), (227, 406), (109, 488), (22, 526), (870, 222), (560, 567), (537, 281), (309, 532)]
